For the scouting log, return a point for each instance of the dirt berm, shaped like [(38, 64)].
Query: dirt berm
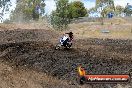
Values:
[(34, 49)]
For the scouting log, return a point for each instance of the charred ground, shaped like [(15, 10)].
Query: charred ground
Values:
[(33, 49)]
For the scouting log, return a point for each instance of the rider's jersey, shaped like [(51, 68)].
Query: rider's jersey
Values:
[(64, 38)]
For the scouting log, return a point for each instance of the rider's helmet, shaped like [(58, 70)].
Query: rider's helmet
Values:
[(70, 35)]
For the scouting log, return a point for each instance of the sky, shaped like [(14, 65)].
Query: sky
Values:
[(50, 5)]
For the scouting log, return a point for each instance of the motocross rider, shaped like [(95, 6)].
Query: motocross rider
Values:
[(67, 38)]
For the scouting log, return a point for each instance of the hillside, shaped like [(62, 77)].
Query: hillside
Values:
[(28, 58), (115, 28)]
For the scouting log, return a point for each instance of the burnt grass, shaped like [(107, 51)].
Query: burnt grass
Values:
[(97, 56)]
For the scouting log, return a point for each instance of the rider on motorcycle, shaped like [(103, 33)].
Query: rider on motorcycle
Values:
[(67, 38)]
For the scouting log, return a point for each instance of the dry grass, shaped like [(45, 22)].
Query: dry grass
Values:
[(31, 25), (120, 29)]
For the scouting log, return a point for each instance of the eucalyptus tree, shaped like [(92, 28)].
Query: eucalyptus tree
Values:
[(4, 7), (28, 10)]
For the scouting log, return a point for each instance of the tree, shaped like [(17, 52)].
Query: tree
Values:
[(28, 10), (128, 10), (103, 7), (109, 3), (106, 11), (77, 9), (119, 10), (4, 6), (60, 17), (106, 5)]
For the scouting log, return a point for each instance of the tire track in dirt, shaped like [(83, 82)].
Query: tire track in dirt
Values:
[(34, 49), (98, 59)]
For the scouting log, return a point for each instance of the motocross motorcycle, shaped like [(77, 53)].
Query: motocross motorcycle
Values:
[(63, 43)]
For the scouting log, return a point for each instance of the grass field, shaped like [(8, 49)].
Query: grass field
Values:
[(119, 29)]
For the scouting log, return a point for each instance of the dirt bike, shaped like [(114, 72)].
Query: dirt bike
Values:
[(61, 45)]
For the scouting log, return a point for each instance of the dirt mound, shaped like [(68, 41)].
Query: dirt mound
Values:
[(104, 57), (22, 35), (34, 50), (11, 77)]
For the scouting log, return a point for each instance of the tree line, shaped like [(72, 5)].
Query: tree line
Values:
[(27, 10)]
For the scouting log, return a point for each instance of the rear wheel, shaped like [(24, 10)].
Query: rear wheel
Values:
[(69, 45)]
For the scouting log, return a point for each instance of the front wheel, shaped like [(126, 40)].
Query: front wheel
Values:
[(58, 46)]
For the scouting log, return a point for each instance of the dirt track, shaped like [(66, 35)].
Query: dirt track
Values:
[(34, 49)]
